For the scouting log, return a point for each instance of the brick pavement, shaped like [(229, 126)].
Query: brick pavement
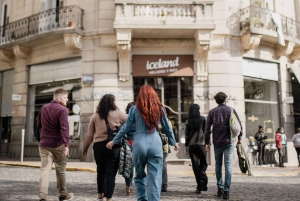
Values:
[(21, 183)]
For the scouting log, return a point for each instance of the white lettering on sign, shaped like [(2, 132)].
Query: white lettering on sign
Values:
[(162, 64)]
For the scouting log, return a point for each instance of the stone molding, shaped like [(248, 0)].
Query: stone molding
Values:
[(7, 56), (21, 51), (284, 50), (202, 47), (124, 52), (181, 43), (73, 41), (295, 54), (250, 41)]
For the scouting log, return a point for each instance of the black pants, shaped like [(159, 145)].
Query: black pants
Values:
[(198, 157), (261, 153), (280, 156), (164, 184), (298, 154), (107, 161)]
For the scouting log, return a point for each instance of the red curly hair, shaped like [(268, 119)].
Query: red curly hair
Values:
[(150, 107)]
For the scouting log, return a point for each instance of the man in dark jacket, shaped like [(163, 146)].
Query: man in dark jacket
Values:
[(261, 137), (223, 144), (54, 144)]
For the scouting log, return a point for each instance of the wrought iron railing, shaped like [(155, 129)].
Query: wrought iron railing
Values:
[(52, 19), (257, 17)]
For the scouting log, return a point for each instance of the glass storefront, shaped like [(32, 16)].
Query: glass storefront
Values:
[(43, 93), (296, 96), (261, 106), (172, 92)]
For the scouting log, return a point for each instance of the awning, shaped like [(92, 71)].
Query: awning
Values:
[(296, 71)]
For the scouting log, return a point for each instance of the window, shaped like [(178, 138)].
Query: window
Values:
[(261, 106)]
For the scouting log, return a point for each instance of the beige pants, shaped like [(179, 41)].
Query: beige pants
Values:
[(48, 156)]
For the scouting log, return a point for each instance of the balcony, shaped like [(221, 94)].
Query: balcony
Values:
[(150, 19), (257, 20), (57, 20)]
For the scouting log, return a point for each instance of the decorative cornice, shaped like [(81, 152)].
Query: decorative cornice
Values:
[(295, 54), (284, 50), (250, 41), (6, 56), (201, 55), (163, 43), (21, 51), (73, 41), (124, 51)]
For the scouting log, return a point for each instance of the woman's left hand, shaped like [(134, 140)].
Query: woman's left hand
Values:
[(176, 147), (110, 144)]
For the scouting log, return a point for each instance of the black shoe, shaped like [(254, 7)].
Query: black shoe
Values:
[(164, 189), (197, 191), (202, 186), (264, 163), (220, 192), (42, 199), (226, 195)]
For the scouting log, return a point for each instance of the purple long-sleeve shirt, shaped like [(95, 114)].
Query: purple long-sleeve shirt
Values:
[(219, 118), (55, 126)]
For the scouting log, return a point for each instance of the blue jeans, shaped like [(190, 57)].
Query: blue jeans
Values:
[(147, 150), (228, 155)]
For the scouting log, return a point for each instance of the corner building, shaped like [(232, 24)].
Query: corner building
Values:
[(187, 50)]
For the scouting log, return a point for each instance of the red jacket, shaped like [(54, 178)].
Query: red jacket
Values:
[(278, 140)]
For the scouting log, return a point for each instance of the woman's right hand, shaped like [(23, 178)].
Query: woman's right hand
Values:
[(110, 145), (84, 153), (176, 147)]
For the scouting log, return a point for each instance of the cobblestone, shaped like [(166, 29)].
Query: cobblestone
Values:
[(22, 183)]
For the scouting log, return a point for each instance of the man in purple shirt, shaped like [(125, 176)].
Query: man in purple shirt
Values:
[(54, 143), (223, 144)]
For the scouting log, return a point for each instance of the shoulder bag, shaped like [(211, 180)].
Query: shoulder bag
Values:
[(111, 134)]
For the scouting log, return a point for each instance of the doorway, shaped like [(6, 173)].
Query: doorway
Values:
[(176, 94)]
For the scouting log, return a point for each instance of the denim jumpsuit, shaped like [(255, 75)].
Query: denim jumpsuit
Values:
[(146, 150)]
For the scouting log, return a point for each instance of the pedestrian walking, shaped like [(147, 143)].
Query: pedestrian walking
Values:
[(261, 137), (129, 137), (195, 146), (54, 143), (166, 151), (223, 143), (278, 140), (296, 141), (107, 160), (147, 145), (283, 140)]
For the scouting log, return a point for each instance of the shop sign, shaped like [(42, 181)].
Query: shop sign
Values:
[(289, 100), (87, 80), (162, 65), (16, 97)]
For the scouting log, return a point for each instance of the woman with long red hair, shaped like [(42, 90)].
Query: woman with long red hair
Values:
[(147, 145)]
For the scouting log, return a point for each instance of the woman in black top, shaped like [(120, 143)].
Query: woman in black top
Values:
[(195, 146)]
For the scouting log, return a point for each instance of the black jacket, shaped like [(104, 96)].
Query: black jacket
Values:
[(189, 132), (260, 137)]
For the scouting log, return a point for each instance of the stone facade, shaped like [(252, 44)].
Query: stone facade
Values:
[(105, 34)]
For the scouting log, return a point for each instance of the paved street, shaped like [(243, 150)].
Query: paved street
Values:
[(21, 183)]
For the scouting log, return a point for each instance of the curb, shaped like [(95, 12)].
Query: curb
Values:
[(254, 174)]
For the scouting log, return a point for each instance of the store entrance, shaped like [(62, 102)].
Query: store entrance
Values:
[(176, 94)]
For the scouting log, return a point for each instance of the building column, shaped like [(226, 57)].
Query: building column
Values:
[(19, 107)]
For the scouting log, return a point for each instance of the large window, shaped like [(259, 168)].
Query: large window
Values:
[(296, 96), (261, 106), (43, 93)]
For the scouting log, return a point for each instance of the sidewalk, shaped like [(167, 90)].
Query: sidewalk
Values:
[(258, 171)]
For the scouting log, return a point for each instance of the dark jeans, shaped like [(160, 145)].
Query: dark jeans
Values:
[(261, 153), (164, 184), (198, 157), (298, 154), (280, 156), (107, 161)]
